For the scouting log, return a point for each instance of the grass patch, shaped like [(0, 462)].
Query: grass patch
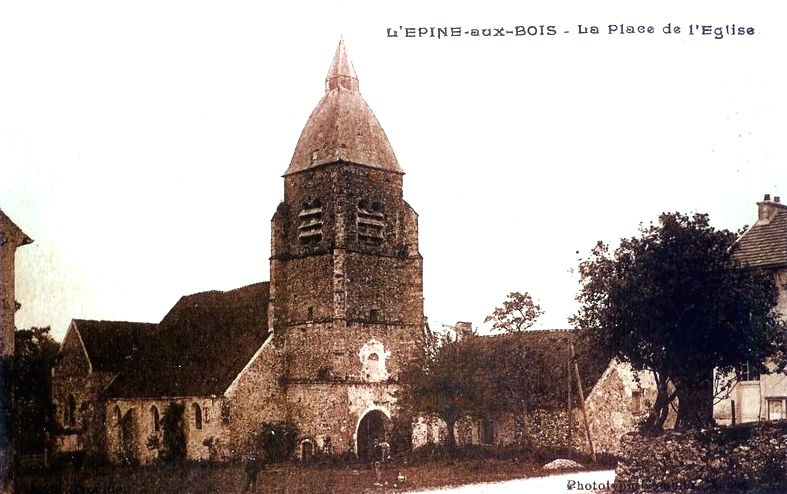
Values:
[(289, 478)]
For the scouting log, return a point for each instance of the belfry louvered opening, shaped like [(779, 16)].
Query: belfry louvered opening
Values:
[(310, 228), (371, 222)]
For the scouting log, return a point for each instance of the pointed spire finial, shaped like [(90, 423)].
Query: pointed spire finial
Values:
[(341, 74)]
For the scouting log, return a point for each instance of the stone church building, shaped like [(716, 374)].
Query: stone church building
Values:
[(319, 346)]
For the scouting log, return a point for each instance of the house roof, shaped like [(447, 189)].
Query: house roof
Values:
[(342, 127), (547, 353), (109, 344), (202, 344), (765, 243), (9, 232)]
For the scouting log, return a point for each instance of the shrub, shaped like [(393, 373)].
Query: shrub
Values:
[(277, 441)]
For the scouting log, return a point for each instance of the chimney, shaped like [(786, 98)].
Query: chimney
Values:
[(767, 209), (463, 330)]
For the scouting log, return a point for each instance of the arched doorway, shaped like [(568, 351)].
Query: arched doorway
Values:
[(307, 451), (374, 425)]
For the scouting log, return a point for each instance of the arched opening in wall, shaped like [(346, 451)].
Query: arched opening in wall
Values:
[(374, 426), (118, 416), (155, 422), (197, 415), (127, 450), (70, 417), (307, 450)]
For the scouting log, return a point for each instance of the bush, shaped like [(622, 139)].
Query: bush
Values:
[(277, 441), (174, 437)]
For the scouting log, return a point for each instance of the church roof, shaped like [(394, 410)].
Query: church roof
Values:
[(202, 344), (342, 127), (9, 232), (109, 344), (765, 244)]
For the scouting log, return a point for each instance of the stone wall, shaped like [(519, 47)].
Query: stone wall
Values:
[(256, 396), (132, 435), (7, 297), (324, 409), (618, 402), (72, 378), (744, 456)]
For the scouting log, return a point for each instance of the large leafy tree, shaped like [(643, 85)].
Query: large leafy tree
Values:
[(675, 301), (515, 371), (27, 386), (443, 381)]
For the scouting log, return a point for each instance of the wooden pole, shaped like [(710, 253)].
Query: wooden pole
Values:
[(582, 403), (570, 408)]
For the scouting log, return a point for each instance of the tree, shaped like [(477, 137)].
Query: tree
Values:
[(443, 382), (676, 302), (514, 371), (518, 313), (27, 384)]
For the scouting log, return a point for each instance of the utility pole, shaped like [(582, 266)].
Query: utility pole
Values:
[(582, 403)]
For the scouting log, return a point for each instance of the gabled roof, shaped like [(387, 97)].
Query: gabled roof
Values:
[(765, 244), (202, 344), (547, 353), (9, 232), (342, 127), (109, 344)]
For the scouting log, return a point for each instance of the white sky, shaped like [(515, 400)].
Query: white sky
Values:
[(142, 143)]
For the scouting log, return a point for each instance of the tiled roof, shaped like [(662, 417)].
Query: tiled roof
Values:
[(202, 344), (342, 127), (9, 232), (765, 243), (548, 352), (109, 344)]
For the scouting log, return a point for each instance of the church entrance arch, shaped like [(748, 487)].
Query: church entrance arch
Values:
[(375, 424)]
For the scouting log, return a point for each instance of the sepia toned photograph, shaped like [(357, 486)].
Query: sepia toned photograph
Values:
[(343, 247)]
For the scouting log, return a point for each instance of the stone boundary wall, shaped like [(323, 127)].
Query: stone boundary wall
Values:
[(720, 459)]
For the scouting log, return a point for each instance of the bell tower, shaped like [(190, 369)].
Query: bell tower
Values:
[(346, 273)]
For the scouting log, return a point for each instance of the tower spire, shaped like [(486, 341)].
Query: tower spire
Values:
[(341, 75)]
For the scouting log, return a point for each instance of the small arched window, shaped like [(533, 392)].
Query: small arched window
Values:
[(154, 418), (70, 414), (374, 357), (197, 416), (118, 415)]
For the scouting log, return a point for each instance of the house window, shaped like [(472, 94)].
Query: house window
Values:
[(197, 416), (486, 432), (374, 315), (154, 419), (70, 414), (746, 372), (776, 409)]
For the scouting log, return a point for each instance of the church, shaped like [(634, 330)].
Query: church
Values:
[(320, 345)]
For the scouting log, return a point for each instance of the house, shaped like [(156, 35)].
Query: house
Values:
[(758, 396), (11, 238), (319, 346)]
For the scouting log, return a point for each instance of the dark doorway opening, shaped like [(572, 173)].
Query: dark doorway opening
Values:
[(307, 451), (373, 425)]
